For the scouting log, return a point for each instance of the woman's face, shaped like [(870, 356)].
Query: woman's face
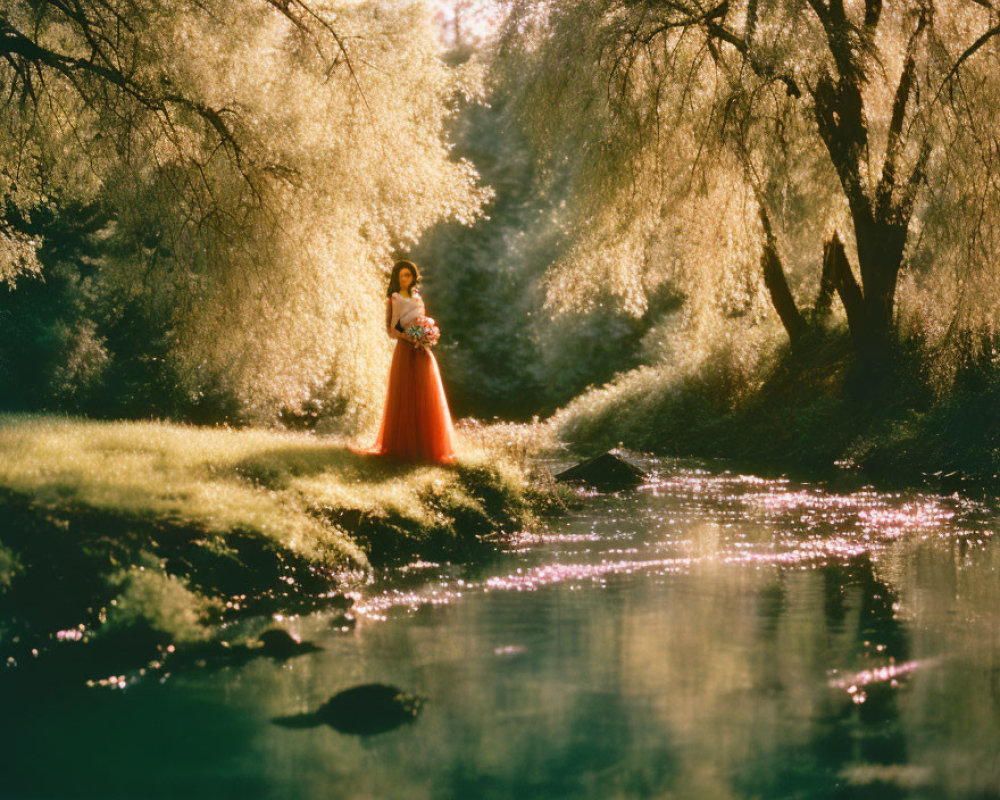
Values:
[(405, 279)]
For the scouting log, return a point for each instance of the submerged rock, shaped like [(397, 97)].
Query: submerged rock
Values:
[(343, 623), (279, 643), (363, 710), (607, 472)]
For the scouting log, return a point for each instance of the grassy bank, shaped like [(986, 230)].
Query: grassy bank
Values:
[(806, 412), (167, 529)]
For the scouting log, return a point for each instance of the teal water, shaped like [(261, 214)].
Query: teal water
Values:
[(711, 635)]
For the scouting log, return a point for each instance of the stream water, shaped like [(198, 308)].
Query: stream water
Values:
[(710, 635)]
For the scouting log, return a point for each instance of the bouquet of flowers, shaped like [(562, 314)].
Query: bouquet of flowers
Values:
[(425, 332)]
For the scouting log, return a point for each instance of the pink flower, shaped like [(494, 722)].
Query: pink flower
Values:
[(425, 332)]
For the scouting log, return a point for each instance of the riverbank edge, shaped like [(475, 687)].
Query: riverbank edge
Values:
[(104, 537), (808, 415)]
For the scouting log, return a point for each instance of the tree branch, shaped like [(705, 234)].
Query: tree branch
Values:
[(969, 52), (777, 283), (827, 285), (760, 68), (873, 12), (835, 260), (887, 181), (837, 108)]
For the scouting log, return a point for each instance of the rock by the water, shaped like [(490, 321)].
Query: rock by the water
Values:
[(371, 708), (279, 643), (341, 601), (607, 472), (363, 710), (343, 623)]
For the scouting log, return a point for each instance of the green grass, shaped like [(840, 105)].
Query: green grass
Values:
[(174, 527)]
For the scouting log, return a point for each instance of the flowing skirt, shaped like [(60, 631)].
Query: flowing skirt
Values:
[(416, 422)]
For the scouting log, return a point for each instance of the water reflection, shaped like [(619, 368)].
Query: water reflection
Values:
[(710, 636)]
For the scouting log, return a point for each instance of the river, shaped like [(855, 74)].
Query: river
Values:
[(709, 635)]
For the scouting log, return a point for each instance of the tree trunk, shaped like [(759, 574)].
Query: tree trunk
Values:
[(879, 235), (880, 257)]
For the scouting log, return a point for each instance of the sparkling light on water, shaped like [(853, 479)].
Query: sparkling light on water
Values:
[(793, 519)]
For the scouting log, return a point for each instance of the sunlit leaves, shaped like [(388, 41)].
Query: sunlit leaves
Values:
[(676, 121), (263, 162)]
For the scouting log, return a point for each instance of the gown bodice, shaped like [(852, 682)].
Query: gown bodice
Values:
[(405, 310)]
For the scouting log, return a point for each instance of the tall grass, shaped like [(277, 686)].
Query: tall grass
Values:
[(671, 405), (810, 409)]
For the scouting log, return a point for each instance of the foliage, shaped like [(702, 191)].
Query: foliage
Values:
[(795, 410), (10, 566), (253, 169), (162, 603), (712, 134), (506, 350), (675, 405)]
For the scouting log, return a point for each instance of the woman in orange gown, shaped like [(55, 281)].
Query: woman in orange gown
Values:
[(416, 422)]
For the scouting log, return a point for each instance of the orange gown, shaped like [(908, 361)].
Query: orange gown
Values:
[(416, 423)]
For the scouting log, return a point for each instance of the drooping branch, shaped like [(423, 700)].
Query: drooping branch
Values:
[(773, 271), (298, 12), (970, 51), (762, 68), (29, 55), (107, 64), (713, 21)]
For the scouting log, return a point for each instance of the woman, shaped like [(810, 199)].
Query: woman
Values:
[(416, 423)]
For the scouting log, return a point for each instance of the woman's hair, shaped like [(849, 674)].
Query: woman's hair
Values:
[(398, 267)]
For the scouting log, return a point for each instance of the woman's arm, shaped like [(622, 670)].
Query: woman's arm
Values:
[(393, 334), (389, 327)]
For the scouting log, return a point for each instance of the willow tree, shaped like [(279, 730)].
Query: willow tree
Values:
[(257, 162), (837, 120)]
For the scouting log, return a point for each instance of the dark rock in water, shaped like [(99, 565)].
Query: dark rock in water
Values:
[(279, 643), (364, 710), (343, 623), (371, 708), (607, 472), (341, 601)]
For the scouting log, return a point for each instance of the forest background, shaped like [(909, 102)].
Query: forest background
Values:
[(763, 230)]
